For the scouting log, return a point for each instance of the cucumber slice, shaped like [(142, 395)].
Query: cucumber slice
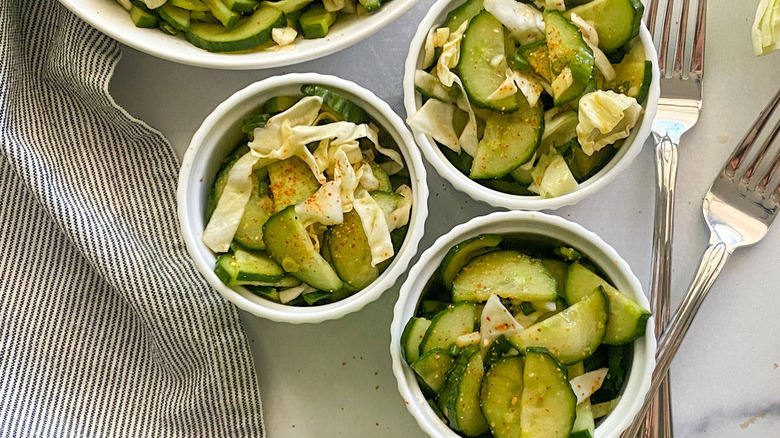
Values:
[(259, 208), (266, 292), (627, 319), (616, 21), (430, 87), (464, 12), (432, 369), (618, 359), (568, 50), (634, 74), (342, 106), (548, 403), (502, 390), (288, 6), (142, 18), (387, 201), (278, 104), (248, 33), (221, 12), (351, 253), (508, 274), (459, 400), (371, 5), (603, 409), (381, 175), (482, 43), (249, 124), (538, 58), (584, 424), (509, 141), (412, 338), (290, 246), (583, 166), (462, 253), (456, 320), (315, 21), (291, 182), (190, 5), (571, 335), (313, 298), (256, 267), (176, 17), (559, 270), (241, 6)]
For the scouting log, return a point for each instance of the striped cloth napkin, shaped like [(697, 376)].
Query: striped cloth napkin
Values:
[(106, 328)]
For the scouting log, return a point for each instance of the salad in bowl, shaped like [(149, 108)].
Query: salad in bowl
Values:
[(530, 100)]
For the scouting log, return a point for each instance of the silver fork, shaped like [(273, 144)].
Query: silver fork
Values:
[(678, 111), (739, 211)]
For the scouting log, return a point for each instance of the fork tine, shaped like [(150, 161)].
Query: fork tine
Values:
[(664, 48), (757, 161), (743, 148), (679, 55), (651, 16), (775, 164), (697, 56)]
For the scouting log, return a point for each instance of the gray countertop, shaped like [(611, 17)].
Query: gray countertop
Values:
[(334, 379)]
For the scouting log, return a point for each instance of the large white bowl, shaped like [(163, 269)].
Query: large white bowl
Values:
[(537, 225), (620, 162), (110, 18), (218, 136)]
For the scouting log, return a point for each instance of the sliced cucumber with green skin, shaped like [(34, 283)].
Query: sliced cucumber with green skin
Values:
[(371, 5), (259, 208), (288, 6), (568, 50), (508, 274), (241, 6), (266, 292), (464, 12), (548, 402), (190, 5), (430, 87), (432, 369), (249, 124), (500, 396), (456, 320), (571, 335), (616, 21), (257, 267), (248, 33), (176, 17), (509, 141), (618, 360), (517, 61), (278, 104), (462, 253), (221, 12), (166, 27), (634, 74), (387, 201), (584, 424), (315, 21), (290, 246), (412, 337), (351, 253), (482, 43), (291, 182), (342, 106), (559, 270), (584, 166), (142, 18), (459, 400), (538, 58), (381, 175), (627, 319)]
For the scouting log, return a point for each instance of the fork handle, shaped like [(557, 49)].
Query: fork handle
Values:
[(711, 265), (658, 422)]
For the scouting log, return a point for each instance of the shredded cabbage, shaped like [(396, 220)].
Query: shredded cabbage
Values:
[(524, 22), (496, 321), (375, 227), (125, 4), (562, 82), (400, 215), (591, 37), (605, 117), (527, 84), (766, 27), (552, 176), (435, 118)]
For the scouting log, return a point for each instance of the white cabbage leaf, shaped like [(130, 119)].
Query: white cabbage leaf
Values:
[(400, 215), (605, 117), (287, 295), (375, 227), (430, 86), (125, 4), (224, 221), (334, 5), (524, 22), (562, 82), (464, 341), (552, 176), (284, 35), (766, 27), (515, 80), (435, 118), (555, 5), (496, 321), (154, 4), (591, 37), (587, 384)]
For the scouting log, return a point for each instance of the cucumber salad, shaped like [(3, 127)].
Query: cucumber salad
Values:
[(514, 337), (242, 25), (312, 205), (533, 97)]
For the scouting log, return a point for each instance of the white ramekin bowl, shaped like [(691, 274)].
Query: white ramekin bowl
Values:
[(538, 225), (110, 18), (620, 162), (218, 136)]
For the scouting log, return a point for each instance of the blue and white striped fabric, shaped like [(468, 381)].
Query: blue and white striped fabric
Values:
[(106, 328)]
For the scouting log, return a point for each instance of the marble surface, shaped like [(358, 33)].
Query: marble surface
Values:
[(334, 379)]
